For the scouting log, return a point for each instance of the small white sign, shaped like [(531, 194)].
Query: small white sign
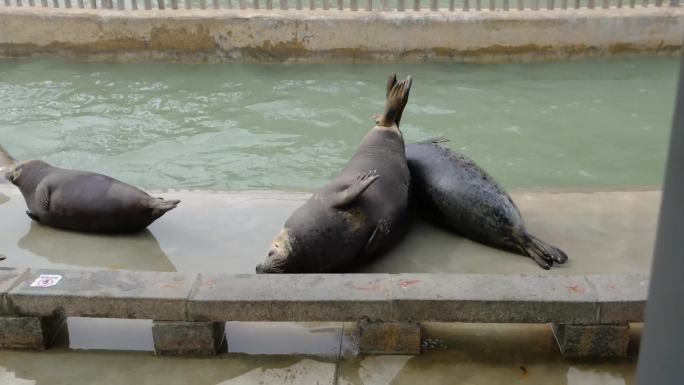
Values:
[(46, 280)]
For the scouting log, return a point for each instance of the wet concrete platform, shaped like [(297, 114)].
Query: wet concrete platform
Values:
[(230, 232)]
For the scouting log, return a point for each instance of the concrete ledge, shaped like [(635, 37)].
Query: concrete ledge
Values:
[(331, 297), (277, 36), (105, 294), (8, 279)]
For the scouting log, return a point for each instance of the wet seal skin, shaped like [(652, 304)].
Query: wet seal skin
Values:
[(456, 192), (359, 214), (84, 201)]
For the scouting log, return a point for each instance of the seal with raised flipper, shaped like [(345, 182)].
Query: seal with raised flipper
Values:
[(358, 215), (84, 201), (451, 188)]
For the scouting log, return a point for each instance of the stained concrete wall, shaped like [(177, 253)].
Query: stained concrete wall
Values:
[(212, 35)]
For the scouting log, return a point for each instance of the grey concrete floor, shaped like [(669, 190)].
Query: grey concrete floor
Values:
[(230, 232), (602, 232)]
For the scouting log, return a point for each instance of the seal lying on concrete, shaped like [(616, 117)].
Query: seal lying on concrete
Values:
[(361, 213), (84, 201), (462, 196)]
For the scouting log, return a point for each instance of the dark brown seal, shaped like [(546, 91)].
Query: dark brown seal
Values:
[(84, 201), (459, 194), (358, 215)]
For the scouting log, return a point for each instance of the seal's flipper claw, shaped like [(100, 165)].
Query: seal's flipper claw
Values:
[(378, 237), (32, 216), (354, 190)]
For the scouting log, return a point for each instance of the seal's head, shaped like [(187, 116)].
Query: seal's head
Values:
[(283, 257), (21, 171)]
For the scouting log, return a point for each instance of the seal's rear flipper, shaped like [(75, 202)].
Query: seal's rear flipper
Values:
[(543, 253), (6, 160), (162, 205), (354, 190), (397, 98)]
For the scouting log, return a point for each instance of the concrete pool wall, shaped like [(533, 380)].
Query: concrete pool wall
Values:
[(319, 35)]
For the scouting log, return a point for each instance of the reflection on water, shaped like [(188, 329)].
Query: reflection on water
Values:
[(110, 334), (139, 251), (319, 339)]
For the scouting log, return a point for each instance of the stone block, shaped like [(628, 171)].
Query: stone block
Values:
[(493, 298), (377, 337), (328, 297), (300, 297), (34, 333), (173, 338), (242, 297), (622, 298), (8, 278), (592, 340), (105, 294)]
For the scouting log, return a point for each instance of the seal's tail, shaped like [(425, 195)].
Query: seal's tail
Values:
[(543, 253), (397, 97), (6, 160), (163, 205)]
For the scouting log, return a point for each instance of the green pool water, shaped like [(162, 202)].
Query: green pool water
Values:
[(591, 123)]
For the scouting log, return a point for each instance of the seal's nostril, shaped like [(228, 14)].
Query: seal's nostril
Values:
[(270, 253)]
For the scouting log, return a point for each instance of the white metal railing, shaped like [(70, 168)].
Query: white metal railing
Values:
[(345, 5)]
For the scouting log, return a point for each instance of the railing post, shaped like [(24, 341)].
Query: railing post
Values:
[(505, 5), (478, 5), (340, 5), (401, 6), (492, 5), (385, 5), (369, 5), (269, 4), (188, 4), (619, 3), (55, 3), (416, 5), (299, 5), (466, 5), (591, 4), (521, 5), (550, 5), (632, 3), (433, 5)]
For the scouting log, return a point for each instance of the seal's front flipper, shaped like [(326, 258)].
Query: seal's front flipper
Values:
[(353, 191), (378, 237), (32, 216), (42, 196)]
